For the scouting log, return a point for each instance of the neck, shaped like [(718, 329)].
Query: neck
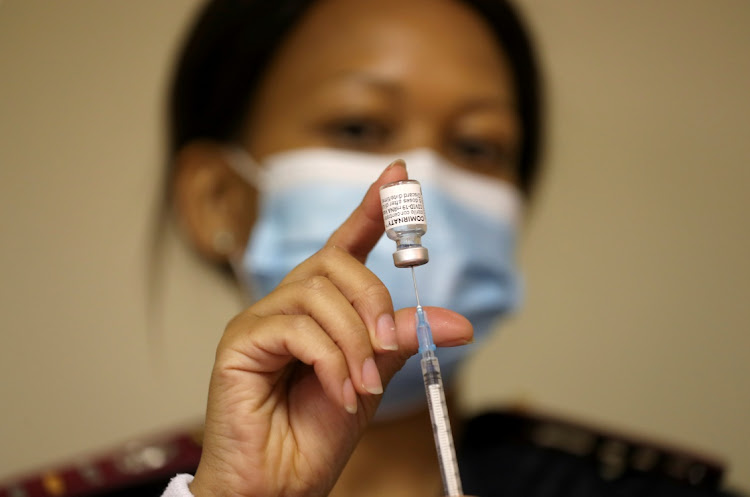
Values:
[(395, 458)]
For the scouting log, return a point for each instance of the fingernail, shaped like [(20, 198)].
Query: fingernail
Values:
[(350, 397), (371, 377), (397, 162), (385, 330)]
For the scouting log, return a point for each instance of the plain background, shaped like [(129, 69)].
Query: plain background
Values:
[(636, 253)]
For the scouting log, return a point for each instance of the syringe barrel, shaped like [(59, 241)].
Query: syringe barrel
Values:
[(441, 425)]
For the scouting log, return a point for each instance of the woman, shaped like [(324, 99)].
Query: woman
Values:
[(283, 113)]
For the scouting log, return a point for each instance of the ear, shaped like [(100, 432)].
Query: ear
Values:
[(215, 207)]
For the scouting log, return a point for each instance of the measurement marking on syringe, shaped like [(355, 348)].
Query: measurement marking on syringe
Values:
[(444, 440)]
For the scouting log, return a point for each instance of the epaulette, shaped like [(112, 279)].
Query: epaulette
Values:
[(139, 467)]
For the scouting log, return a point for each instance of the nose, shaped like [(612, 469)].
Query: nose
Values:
[(422, 133)]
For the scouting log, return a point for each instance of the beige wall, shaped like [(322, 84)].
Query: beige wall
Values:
[(636, 255)]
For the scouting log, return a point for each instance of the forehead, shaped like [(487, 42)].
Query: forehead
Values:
[(443, 42)]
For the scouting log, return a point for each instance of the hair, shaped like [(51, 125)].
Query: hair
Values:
[(232, 41)]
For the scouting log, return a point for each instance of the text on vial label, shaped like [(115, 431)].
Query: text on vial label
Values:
[(402, 204)]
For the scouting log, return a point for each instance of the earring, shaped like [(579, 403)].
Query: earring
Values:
[(224, 242)]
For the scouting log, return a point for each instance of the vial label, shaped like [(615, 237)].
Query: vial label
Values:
[(402, 205)]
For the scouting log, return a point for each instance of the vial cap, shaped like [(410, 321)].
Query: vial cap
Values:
[(415, 256)]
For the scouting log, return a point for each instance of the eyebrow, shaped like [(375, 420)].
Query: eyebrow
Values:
[(504, 104)]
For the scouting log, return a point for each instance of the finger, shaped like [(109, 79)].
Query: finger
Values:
[(365, 292), (265, 346), (449, 329), (362, 230), (319, 298)]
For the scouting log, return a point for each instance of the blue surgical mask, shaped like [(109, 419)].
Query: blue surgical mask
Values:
[(305, 194)]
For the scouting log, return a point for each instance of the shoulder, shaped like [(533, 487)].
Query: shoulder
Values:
[(141, 467), (516, 452)]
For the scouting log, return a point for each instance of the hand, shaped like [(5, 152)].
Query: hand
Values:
[(297, 375)]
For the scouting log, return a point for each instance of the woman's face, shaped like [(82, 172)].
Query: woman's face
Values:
[(386, 76), (380, 76)]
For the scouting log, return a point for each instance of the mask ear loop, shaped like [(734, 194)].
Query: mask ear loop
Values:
[(247, 168)]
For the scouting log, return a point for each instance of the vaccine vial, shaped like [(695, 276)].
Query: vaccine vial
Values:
[(405, 222)]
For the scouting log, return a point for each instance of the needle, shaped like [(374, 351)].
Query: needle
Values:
[(414, 279)]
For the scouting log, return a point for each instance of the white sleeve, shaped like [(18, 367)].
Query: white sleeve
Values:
[(178, 486)]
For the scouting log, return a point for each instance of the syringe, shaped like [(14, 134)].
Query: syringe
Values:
[(433, 384), (405, 222)]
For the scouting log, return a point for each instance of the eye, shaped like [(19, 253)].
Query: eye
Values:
[(484, 156), (358, 133)]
